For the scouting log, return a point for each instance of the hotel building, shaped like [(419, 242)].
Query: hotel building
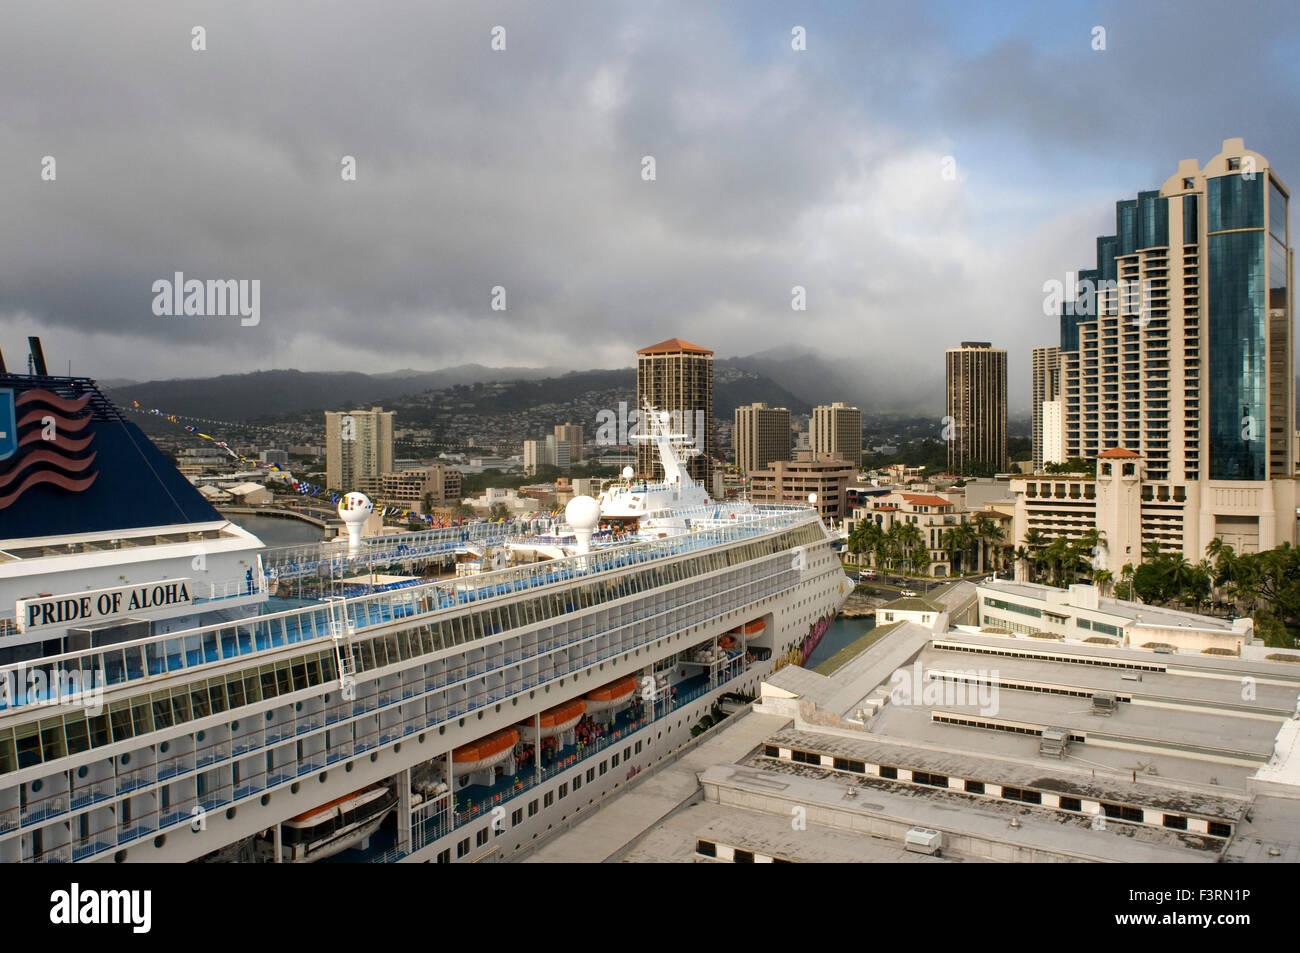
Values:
[(358, 444), (977, 406), (1177, 348), (677, 376), (761, 434), (1046, 385), (837, 428)]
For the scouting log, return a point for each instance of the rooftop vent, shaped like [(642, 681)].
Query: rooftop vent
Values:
[(1054, 742), (1104, 703)]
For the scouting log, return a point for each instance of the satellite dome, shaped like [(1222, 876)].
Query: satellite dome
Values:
[(355, 508), (627, 473), (583, 512)]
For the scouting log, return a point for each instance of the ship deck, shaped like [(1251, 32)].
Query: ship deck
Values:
[(195, 648)]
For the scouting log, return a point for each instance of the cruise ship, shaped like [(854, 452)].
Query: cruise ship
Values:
[(173, 690)]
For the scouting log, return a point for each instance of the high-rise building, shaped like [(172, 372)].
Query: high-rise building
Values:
[(1053, 438), (837, 428), (761, 434), (571, 434), (1046, 385), (358, 443), (1177, 346), (977, 406), (677, 377)]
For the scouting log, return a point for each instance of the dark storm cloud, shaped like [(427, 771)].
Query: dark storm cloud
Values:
[(522, 169)]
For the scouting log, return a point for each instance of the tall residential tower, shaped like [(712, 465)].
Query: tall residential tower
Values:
[(837, 429), (977, 406), (677, 377), (1177, 347), (761, 435)]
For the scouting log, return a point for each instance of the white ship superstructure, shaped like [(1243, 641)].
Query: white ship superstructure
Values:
[(365, 706)]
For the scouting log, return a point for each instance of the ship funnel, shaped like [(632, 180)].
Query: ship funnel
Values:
[(37, 359), (354, 510), (583, 515)]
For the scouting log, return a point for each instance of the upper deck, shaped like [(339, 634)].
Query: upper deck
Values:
[(317, 621)]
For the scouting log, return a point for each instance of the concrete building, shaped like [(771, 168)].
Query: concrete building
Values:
[(250, 494), (358, 444), (1045, 387), (677, 377), (408, 488), (1178, 346), (571, 434), (837, 429), (932, 514), (791, 481), (991, 747), (977, 406), (760, 435), (1082, 614), (1051, 448)]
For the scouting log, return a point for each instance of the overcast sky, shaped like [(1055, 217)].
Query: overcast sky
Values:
[(523, 169)]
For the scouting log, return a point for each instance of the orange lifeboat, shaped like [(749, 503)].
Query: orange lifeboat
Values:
[(755, 628), (486, 751), (727, 642), (612, 695), (555, 721)]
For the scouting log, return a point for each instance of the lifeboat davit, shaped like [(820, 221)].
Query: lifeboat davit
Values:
[(609, 696), (555, 721), (486, 751)]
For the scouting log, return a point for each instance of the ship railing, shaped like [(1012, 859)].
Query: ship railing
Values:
[(195, 648)]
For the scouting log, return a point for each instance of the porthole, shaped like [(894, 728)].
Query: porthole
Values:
[(374, 756), (119, 857), (36, 786), (269, 716), (327, 699), (162, 839), (82, 771), (298, 707), (323, 776), (126, 758), (348, 767), (234, 726), (421, 738), (163, 747), (230, 814), (461, 723), (514, 701), (480, 716), (266, 799), (397, 747), (293, 788), (201, 736)]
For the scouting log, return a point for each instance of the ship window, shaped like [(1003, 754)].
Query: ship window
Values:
[(162, 715), (199, 704), (217, 694), (142, 715), (481, 837), (532, 808), (100, 734), (53, 741)]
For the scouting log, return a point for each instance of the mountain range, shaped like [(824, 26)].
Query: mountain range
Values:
[(795, 379)]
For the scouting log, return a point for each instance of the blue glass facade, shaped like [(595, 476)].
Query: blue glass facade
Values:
[(1237, 353), (1126, 226), (1153, 220), (1234, 201), (1190, 220)]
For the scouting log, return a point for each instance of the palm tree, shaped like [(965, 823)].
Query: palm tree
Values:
[(1023, 555), (988, 531), (1103, 579)]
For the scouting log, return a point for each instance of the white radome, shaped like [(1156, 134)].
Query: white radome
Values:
[(627, 473), (583, 512), (355, 508)]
